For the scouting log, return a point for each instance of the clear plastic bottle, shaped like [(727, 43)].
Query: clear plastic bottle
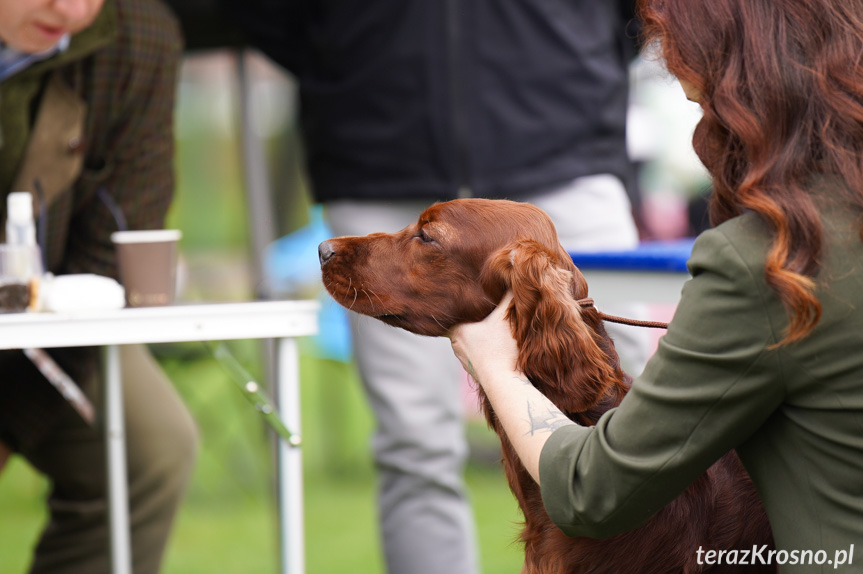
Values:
[(20, 225), (20, 257)]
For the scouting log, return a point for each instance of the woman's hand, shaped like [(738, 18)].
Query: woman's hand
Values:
[(488, 351), (486, 347)]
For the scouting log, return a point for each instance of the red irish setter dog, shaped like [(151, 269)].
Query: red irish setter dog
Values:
[(453, 266)]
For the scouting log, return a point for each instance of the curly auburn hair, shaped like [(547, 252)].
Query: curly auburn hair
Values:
[(781, 85)]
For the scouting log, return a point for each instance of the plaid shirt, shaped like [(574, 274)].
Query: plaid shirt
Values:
[(124, 66)]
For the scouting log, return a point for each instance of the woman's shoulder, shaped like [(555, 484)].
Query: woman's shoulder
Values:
[(745, 239), (746, 228), (751, 237)]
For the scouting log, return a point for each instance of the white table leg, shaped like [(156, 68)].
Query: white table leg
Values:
[(115, 448), (290, 462)]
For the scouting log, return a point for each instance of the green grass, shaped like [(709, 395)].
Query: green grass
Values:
[(228, 522), (21, 514)]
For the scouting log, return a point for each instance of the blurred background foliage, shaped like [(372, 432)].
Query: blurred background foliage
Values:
[(228, 522)]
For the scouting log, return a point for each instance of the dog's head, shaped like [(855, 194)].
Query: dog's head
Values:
[(426, 278), (455, 263)]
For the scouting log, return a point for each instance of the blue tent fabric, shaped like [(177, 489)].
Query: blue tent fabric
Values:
[(291, 262), (333, 341), (664, 256), (291, 267)]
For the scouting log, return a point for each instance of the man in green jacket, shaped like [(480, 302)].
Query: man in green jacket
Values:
[(87, 92)]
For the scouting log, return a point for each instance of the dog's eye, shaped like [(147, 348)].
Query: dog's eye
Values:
[(424, 236)]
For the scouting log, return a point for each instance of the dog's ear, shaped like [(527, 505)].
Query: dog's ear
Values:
[(558, 351), (578, 284)]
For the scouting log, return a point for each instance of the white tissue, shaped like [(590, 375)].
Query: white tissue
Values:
[(83, 292)]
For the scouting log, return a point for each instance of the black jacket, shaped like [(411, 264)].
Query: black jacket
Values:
[(436, 98)]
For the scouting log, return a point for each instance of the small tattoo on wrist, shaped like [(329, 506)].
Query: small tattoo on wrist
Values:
[(548, 421)]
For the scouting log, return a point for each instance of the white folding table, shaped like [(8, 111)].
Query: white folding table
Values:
[(280, 320)]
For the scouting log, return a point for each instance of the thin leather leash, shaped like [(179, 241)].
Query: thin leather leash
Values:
[(623, 320)]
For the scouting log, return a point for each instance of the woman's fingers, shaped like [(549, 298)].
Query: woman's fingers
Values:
[(486, 345)]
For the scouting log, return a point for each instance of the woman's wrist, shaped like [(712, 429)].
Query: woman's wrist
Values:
[(528, 417), (494, 375)]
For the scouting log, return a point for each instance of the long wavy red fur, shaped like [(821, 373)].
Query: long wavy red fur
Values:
[(453, 266), (566, 353)]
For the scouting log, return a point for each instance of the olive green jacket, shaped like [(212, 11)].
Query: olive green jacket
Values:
[(97, 116), (793, 413)]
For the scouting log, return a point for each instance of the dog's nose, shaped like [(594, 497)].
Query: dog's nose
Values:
[(325, 252)]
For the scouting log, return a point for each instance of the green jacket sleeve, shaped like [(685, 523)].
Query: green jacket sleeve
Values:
[(710, 385)]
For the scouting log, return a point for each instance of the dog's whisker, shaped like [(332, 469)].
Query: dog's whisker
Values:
[(366, 293), (378, 297)]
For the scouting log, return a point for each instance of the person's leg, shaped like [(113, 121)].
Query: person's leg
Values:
[(413, 387), (594, 213), (161, 443)]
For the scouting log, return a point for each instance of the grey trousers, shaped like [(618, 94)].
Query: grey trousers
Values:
[(413, 386), (161, 447)]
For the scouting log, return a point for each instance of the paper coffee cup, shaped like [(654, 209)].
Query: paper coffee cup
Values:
[(147, 264)]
